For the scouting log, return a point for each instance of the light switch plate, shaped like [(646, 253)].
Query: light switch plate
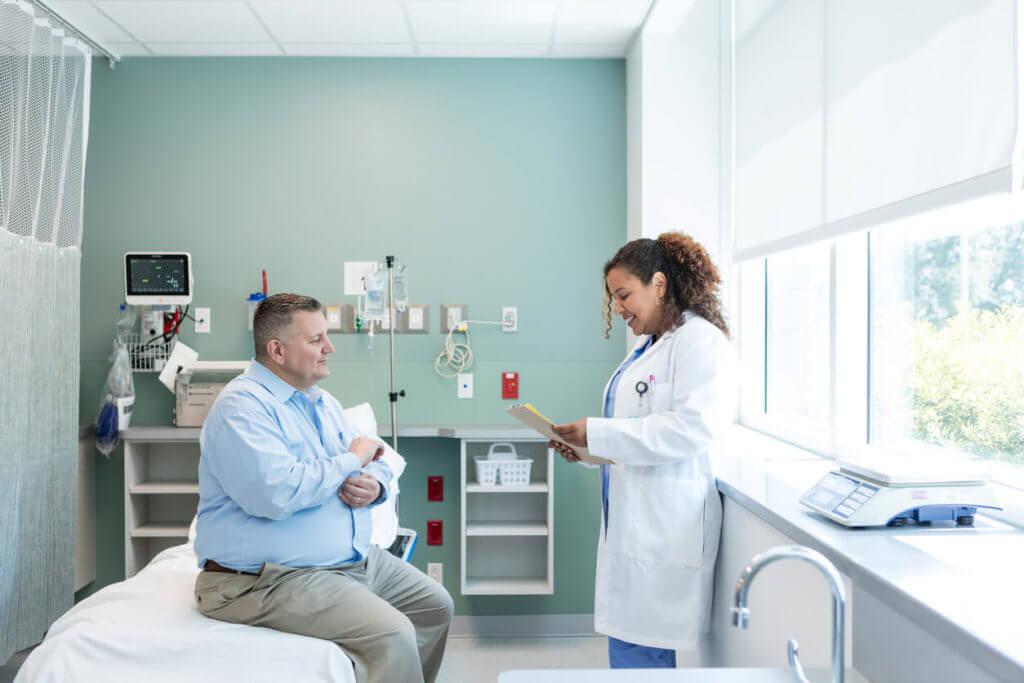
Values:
[(203, 322), (465, 386), (435, 570)]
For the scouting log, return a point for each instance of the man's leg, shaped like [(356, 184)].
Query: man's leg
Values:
[(332, 604), (424, 601)]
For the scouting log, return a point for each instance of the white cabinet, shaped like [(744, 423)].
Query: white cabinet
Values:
[(161, 491), (507, 540)]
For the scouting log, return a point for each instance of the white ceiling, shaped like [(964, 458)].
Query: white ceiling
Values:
[(359, 28)]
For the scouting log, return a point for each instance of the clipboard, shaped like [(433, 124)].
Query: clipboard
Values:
[(531, 417)]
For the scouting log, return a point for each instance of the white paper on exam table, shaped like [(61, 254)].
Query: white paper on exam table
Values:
[(532, 418)]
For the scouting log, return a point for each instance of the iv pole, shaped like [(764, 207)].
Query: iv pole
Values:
[(390, 261)]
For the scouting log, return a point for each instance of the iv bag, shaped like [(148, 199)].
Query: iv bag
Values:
[(401, 289), (376, 289)]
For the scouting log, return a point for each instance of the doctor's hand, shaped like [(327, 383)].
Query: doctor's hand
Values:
[(574, 433), (358, 492), (565, 451), (366, 449)]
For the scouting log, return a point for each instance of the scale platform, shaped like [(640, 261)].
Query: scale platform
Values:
[(896, 491)]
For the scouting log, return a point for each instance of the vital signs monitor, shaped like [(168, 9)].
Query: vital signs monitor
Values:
[(157, 278)]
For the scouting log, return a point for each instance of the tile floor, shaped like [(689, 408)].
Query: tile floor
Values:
[(480, 660)]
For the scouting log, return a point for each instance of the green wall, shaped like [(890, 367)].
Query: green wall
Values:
[(497, 182)]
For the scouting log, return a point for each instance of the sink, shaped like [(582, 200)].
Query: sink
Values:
[(702, 675)]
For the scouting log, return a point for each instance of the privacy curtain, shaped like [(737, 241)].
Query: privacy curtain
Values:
[(44, 100)]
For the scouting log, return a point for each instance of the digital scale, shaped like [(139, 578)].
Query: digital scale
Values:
[(894, 491)]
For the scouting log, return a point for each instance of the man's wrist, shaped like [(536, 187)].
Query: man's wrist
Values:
[(380, 492)]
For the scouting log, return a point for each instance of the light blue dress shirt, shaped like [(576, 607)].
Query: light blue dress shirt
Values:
[(272, 461)]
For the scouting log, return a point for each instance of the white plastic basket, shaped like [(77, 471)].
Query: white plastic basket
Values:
[(502, 466), (514, 472), (486, 471)]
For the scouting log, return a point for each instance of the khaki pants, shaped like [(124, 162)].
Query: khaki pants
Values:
[(387, 616)]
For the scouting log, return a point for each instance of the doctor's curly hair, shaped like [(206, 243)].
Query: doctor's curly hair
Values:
[(693, 280)]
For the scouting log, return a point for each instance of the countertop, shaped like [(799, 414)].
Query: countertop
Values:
[(960, 584), (511, 432)]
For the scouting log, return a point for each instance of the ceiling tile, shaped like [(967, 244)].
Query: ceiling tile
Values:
[(214, 49), (509, 50), (582, 51), (90, 21), (181, 21), (612, 21), (482, 22), (350, 49), (357, 21)]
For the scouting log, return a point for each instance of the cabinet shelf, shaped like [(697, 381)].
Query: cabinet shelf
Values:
[(506, 529), (507, 586), (160, 530), (172, 487), (539, 487)]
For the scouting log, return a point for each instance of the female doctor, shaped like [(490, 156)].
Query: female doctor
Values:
[(662, 409)]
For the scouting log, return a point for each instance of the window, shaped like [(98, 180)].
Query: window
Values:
[(786, 342), (947, 340), (909, 337)]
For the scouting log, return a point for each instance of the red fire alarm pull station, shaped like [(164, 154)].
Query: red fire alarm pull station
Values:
[(510, 385), (435, 488), (434, 535)]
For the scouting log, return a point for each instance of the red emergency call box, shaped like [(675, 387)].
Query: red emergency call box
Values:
[(510, 385), (435, 532), (435, 488)]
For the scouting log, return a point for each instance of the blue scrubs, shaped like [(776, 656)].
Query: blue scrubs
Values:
[(623, 655)]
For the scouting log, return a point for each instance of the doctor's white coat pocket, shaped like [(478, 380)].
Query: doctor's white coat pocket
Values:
[(671, 534), (661, 398)]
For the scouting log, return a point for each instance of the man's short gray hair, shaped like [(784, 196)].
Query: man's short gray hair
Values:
[(275, 314)]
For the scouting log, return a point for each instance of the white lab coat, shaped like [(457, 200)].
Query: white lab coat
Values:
[(655, 564)]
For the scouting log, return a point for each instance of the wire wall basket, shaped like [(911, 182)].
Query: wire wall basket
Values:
[(147, 356)]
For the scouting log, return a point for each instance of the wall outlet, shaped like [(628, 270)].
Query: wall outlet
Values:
[(202, 316), (510, 318), (333, 318), (465, 385), (341, 318), (415, 318), (452, 315), (435, 570)]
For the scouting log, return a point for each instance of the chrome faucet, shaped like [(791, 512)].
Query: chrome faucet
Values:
[(741, 614)]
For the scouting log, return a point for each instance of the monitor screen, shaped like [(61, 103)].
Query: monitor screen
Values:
[(156, 274)]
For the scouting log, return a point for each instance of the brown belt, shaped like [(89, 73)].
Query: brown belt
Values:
[(212, 566)]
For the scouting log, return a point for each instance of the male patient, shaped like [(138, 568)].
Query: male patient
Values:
[(286, 484)]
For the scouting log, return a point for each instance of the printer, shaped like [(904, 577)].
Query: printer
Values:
[(195, 390)]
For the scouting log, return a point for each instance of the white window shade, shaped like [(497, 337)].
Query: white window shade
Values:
[(918, 107), (780, 65)]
